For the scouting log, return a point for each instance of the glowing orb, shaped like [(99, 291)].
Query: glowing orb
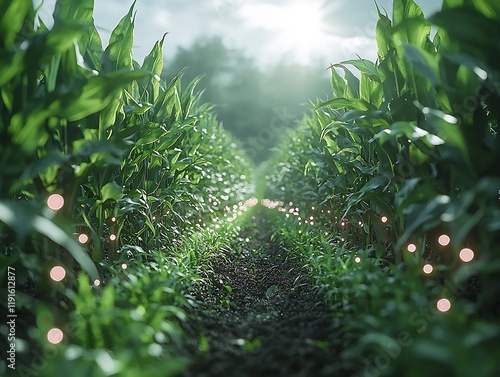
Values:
[(55, 202), (428, 268), (443, 305), (444, 240), (83, 238), (466, 254), (57, 273), (55, 336)]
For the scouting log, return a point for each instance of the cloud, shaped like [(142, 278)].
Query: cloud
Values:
[(347, 25)]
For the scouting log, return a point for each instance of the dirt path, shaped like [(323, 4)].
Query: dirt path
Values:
[(260, 317)]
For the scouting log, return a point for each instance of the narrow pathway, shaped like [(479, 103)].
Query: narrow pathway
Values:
[(260, 317)]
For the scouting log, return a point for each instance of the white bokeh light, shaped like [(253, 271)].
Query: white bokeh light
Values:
[(57, 273), (55, 336), (443, 305), (466, 254), (444, 240), (428, 268), (55, 202)]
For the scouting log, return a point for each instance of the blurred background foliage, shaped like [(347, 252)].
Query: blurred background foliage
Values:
[(270, 96)]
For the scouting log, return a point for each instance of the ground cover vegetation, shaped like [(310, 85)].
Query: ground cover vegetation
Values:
[(133, 241)]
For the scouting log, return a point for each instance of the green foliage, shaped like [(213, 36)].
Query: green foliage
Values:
[(139, 162), (403, 152)]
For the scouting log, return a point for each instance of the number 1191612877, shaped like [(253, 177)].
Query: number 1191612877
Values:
[(11, 317)]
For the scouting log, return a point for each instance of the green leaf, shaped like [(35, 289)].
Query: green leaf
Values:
[(415, 32), (98, 150), (410, 132), (138, 107), (424, 62), (118, 54), (339, 85), (182, 164), (365, 66), (350, 104), (59, 236), (271, 290), (367, 191), (11, 63), (108, 298), (479, 37), (111, 191), (404, 10), (154, 63), (12, 16), (165, 104), (83, 99), (383, 34), (352, 89), (72, 12), (90, 46), (53, 158)]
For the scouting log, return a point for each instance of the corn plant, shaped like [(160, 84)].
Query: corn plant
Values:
[(102, 162), (399, 166)]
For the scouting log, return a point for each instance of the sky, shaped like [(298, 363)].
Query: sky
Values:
[(301, 31)]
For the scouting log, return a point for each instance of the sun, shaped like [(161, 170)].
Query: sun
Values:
[(300, 22), (296, 29)]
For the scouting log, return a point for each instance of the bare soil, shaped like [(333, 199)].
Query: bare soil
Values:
[(259, 316)]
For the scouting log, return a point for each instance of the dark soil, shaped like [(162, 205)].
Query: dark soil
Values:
[(269, 322)]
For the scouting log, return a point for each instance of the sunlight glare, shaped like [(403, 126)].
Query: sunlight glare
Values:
[(296, 27)]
